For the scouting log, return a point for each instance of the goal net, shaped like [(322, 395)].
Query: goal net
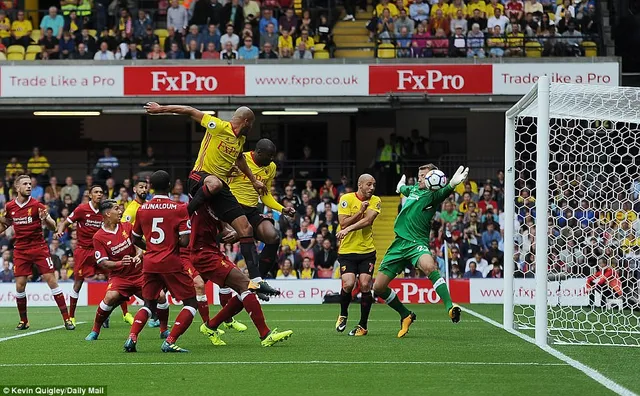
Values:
[(572, 207)]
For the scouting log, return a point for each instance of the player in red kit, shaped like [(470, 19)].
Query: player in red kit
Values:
[(207, 258), (115, 251), (27, 216), (88, 220), (166, 227)]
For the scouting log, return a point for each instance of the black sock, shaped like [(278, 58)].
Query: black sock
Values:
[(267, 258), (345, 300), (250, 254), (366, 302), (201, 197)]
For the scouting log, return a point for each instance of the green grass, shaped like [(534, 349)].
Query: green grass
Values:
[(435, 358)]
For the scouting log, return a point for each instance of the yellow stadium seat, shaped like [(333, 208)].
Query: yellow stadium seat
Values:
[(590, 48), (15, 49), (318, 46), (2, 56), (161, 42), (93, 33), (34, 49), (35, 35), (161, 32), (386, 51), (533, 49), (321, 55), (15, 56), (30, 56)]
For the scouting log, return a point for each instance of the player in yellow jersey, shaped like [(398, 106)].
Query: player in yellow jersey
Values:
[(357, 254), (220, 151), (261, 163)]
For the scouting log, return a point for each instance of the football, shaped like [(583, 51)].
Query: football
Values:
[(435, 179)]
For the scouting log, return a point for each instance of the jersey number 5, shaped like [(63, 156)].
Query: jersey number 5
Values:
[(156, 221)]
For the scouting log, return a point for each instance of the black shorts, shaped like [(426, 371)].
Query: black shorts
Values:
[(356, 263), (224, 203), (255, 217)]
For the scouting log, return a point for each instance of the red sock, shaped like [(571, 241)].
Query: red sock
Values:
[(253, 308), (73, 301), (233, 307), (21, 301), (101, 316), (138, 322), (203, 309), (224, 300), (163, 317), (124, 308), (182, 323), (59, 297)]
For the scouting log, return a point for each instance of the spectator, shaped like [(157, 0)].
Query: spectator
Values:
[(515, 9), (228, 52), (193, 52), (515, 42), (285, 53), (494, 252), (288, 22), (289, 240), (195, 35), (5, 29), (21, 30), (386, 28), (106, 164), (487, 201), (379, 10), (88, 41), (302, 52), (419, 11), (490, 235), (496, 272), (449, 214), (440, 5), (454, 7), (156, 53), (38, 165), (6, 276), (565, 8), (211, 36), (177, 17), (178, 189), (104, 53), (13, 169), (572, 40), (326, 258), (110, 191), (475, 42), (459, 22), (206, 12), (268, 52), (304, 38), (133, 53), (458, 43), (211, 52), (37, 192), (306, 272), (269, 37), (285, 41), (474, 5), (498, 19), (310, 190), (53, 189), (52, 21), (50, 44), (141, 25), (496, 43), (174, 52), (404, 21), (589, 23), (530, 25), (267, 18), (439, 22), (248, 50), (403, 43), (233, 15), (478, 18), (287, 271), (306, 239), (324, 32), (329, 189), (534, 7), (173, 37), (307, 23), (251, 10), (70, 189), (455, 272), (124, 27), (472, 272), (231, 37)]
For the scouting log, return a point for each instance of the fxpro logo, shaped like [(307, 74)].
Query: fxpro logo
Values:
[(430, 80), (184, 81)]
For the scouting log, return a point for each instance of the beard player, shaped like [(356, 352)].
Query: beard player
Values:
[(27, 216)]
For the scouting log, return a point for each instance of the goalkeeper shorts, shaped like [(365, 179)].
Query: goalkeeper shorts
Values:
[(400, 255)]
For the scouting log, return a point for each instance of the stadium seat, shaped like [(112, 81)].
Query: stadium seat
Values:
[(161, 33), (2, 56), (30, 56), (35, 35), (533, 49), (15, 49), (386, 51), (590, 48), (15, 56), (319, 46), (321, 55), (34, 49)]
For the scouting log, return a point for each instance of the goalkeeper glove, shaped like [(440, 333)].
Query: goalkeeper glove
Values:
[(458, 177), (401, 183)]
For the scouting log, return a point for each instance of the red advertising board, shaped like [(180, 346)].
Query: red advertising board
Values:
[(421, 291), (184, 80), (433, 79)]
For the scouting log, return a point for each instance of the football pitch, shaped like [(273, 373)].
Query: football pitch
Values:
[(436, 358)]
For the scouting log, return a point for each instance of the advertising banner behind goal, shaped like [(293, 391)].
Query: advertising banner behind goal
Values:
[(39, 295)]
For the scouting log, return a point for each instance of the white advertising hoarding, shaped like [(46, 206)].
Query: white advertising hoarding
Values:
[(571, 292), (38, 294)]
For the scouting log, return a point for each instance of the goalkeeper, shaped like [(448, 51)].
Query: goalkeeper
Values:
[(411, 244)]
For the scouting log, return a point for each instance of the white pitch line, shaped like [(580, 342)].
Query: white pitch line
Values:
[(34, 332), (314, 362), (588, 371)]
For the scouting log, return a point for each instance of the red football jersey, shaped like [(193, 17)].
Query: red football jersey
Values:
[(114, 245), (206, 228), (161, 221), (88, 220), (26, 223)]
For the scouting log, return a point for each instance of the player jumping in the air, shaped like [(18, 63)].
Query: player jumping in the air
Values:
[(165, 226), (411, 244), (27, 216), (88, 220), (212, 264), (160, 317), (260, 161), (115, 252), (220, 150), (357, 253)]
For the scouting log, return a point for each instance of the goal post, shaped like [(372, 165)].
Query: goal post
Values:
[(572, 215)]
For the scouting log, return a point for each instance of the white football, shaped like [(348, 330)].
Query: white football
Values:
[(435, 179)]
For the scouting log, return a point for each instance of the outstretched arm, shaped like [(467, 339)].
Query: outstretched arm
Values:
[(155, 108)]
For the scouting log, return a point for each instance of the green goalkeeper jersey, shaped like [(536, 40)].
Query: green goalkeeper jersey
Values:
[(414, 220)]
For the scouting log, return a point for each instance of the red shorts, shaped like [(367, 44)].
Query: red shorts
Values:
[(126, 287), (23, 260), (191, 270), (213, 266), (85, 263), (179, 284)]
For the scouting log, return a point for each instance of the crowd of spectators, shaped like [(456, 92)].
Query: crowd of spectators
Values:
[(442, 28), (202, 29)]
